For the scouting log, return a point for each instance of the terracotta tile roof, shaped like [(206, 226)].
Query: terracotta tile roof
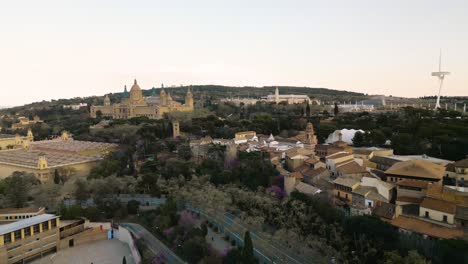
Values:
[(417, 168), (346, 181), (413, 183), (302, 168), (438, 191), (314, 172), (338, 155), (297, 175), (461, 163), (351, 168), (439, 205), (407, 199), (423, 227), (462, 213), (312, 160)]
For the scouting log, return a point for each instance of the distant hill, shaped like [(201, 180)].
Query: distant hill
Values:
[(203, 91)]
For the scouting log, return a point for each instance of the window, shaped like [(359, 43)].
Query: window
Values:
[(17, 234), (346, 195), (45, 226), (36, 228), (53, 222), (445, 218), (369, 204), (427, 214), (27, 231), (7, 238), (339, 194)]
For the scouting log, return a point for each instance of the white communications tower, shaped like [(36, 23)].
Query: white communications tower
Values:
[(441, 75)]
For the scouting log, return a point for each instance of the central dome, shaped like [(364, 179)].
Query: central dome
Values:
[(135, 86)]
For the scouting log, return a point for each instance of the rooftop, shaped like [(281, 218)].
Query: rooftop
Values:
[(461, 163), (20, 210), (338, 155), (29, 158), (4, 229), (307, 188), (423, 227), (407, 199), (6, 136), (413, 183), (439, 205), (75, 146), (346, 181), (351, 168), (417, 168)]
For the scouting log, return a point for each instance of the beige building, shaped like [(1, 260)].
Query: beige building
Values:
[(42, 158), (43, 234), (15, 141), (24, 122), (29, 238), (420, 170), (136, 105), (8, 215)]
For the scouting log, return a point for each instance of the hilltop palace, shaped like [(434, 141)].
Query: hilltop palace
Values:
[(136, 105)]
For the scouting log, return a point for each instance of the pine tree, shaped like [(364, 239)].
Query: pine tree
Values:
[(56, 177), (335, 110), (124, 260), (247, 251), (308, 111)]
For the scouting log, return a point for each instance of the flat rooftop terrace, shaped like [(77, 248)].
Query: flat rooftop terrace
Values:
[(71, 145), (29, 158), (99, 252)]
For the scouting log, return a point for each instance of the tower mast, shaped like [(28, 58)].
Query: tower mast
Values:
[(441, 75)]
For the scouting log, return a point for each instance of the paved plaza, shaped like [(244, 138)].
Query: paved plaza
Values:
[(99, 252)]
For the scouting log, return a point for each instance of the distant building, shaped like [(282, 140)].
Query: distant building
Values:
[(8, 141), (42, 158), (136, 105), (324, 150), (24, 122), (244, 137), (289, 98), (76, 106)]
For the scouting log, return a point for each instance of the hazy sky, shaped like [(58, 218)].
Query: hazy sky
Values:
[(63, 49)]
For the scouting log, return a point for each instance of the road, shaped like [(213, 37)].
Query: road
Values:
[(154, 244)]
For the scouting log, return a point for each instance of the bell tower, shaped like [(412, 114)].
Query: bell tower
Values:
[(189, 98), (42, 161), (175, 129)]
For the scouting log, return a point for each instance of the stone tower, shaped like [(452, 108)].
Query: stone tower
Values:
[(230, 156), (107, 100), (311, 138), (42, 161), (30, 135), (277, 95), (175, 129), (189, 98), (163, 97), (289, 184), (65, 136)]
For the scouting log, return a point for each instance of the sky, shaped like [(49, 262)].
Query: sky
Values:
[(64, 49)]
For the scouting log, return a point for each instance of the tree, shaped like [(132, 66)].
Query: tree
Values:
[(358, 139), (307, 111), (81, 191), (247, 251), (132, 206), (124, 261), (336, 110), (17, 189), (56, 177)]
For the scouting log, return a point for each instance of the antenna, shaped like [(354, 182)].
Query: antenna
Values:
[(441, 75)]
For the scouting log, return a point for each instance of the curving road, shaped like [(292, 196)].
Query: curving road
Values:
[(154, 244)]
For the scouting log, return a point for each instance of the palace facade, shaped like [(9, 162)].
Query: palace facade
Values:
[(136, 105)]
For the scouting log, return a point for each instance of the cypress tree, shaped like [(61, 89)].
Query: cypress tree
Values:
[(247, 251)]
